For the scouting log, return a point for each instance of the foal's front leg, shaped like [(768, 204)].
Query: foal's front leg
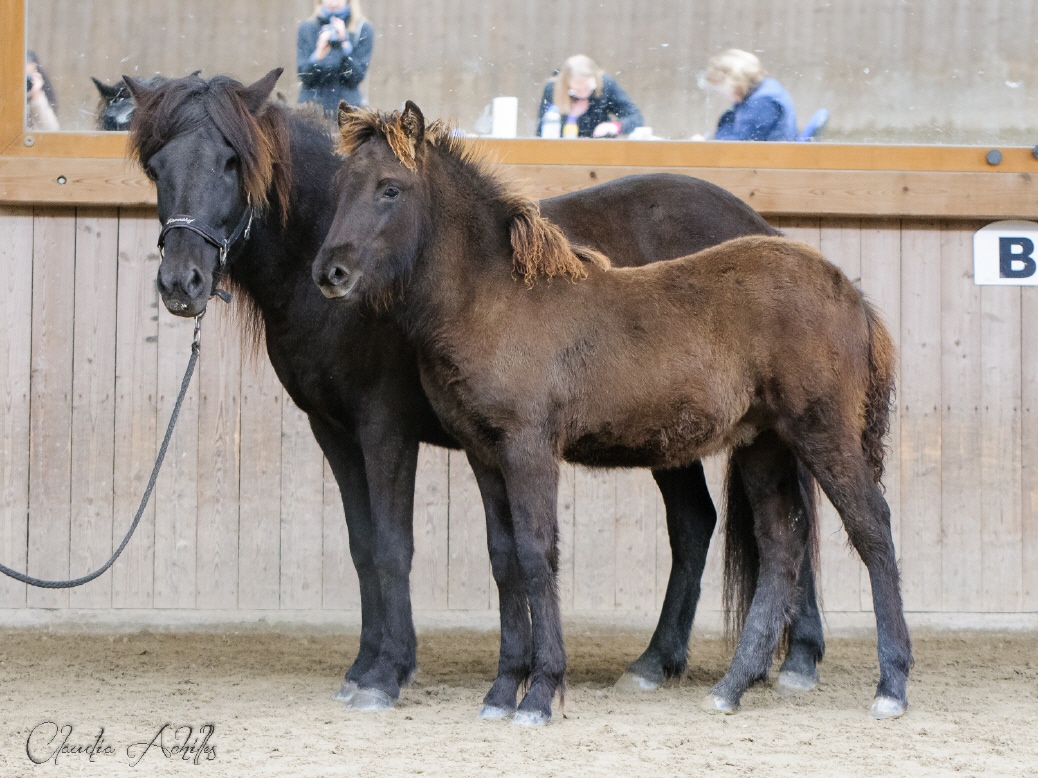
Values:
[(531, 476), (513, 668)]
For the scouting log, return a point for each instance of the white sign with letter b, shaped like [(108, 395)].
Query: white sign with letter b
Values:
[(1004, 253)]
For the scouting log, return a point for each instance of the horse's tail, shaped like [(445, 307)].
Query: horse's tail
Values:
[(741, 558), (880, 391)]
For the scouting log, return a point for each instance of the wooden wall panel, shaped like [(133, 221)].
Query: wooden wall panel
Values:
[(16, 252), (248, 516)]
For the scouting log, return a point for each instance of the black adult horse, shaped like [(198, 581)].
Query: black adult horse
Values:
[(757, 345), (245, 182), (115, 108)]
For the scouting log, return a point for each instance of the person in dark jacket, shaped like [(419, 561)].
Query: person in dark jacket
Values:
[(333, 51), (762, 109), (590, 103)]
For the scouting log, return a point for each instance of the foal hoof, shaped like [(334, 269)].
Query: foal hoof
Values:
[(887, 708), (794, 683), (346, 691), (369, 700), (531, 718), (492, 712), (715, 703), (632, 682)]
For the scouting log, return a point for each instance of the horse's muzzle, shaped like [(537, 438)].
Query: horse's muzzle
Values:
[(336, 282)]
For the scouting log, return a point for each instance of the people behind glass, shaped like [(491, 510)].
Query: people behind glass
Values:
[(41, 103), (583, 102), (333, 51), (761, 107)]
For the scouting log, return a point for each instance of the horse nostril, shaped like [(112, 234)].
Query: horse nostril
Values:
[(337, 275), (194, 283), (163, 284)]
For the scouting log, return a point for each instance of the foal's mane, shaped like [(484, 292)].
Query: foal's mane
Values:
[(261, 141), (539, 247)]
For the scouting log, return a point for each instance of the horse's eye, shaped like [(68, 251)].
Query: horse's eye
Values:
[(150, 172), (231, 165), (391, 193)]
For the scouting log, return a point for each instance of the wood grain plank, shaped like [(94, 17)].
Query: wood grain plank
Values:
[(635, 534), (429, 573), (1000, 478), (50, 398), (470, 585), (136, 382), (594, 540), (1029, 449), (921, 416), (93, 404), (219, 433), (340, 586), (962, 381), (176, 490), (15, 371), (259, 526), (302, 511), (566, 515)]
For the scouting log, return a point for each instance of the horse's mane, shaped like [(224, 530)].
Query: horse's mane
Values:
[(260, 141), (539, 247)]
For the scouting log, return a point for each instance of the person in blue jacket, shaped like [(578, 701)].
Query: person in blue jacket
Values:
[(761, 107), (333, 51), (590, 103)]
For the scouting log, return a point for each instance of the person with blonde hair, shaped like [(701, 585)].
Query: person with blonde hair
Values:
[(761, 107), (333, 51), (590, 103)]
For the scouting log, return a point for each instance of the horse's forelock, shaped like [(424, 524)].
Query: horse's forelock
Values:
[(261, 143)]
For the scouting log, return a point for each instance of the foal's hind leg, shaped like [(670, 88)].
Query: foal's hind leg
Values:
[(847, 480), (768, 474), (516, 650)]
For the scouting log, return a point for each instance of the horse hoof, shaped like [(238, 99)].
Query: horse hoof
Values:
[(794, 683), (531, 718), (635, 683), (715, 703), (369, 700), (492, 712), (887, 708), (346, 691)]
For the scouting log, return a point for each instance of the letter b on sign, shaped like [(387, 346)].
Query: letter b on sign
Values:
[(1015, 258), (1003, 253)]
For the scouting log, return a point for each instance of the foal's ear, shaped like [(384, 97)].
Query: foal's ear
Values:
[(345, 112), (413, 123), (255, 95), (108, 93), (137, 89)]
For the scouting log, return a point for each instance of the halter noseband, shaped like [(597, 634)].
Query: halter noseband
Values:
[(209, 234)]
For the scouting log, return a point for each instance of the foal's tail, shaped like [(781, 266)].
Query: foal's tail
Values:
[(880, 391), (741, 557)]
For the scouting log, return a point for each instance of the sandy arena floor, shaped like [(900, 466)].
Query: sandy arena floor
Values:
[(267, 695)]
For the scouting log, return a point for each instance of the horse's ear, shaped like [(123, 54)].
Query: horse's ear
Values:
[(137, 89), (345, 112), (413, 123), (108, 93), (255, 95)]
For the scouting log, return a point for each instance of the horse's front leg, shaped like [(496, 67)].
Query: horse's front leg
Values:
[(347, 465), (390, 464), (515, 656), (531, 476)]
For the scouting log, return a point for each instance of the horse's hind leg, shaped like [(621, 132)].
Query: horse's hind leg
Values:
[(769, 476), (691, 518), (516, 650)]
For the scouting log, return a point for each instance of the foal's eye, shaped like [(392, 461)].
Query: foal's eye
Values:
[(390, 193)]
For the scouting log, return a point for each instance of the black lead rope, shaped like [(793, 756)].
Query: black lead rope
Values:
[(196, 345)]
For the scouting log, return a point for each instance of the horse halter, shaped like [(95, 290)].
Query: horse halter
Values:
[(208, 233)]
